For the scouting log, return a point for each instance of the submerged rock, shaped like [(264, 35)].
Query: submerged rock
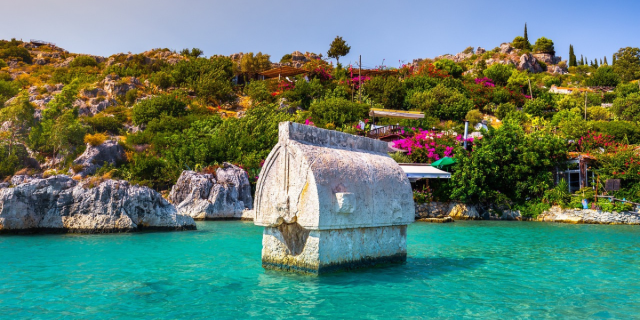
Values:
[(223, 195), (61, 204)]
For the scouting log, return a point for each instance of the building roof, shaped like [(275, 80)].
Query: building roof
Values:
[(417, 171), (388, 113), (282, 71)]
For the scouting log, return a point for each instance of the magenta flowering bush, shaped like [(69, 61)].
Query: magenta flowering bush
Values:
[(426, 147), (485, 82)]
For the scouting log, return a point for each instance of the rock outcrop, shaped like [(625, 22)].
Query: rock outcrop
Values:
[(61, 204), (529, 63), (588, 216), (223, 195), (93, 158)]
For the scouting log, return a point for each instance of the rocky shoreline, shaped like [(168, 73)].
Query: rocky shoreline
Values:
[(60, 204), (588, 216), (441, 212)]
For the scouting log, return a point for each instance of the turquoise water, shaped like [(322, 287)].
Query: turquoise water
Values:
[(456, 270)]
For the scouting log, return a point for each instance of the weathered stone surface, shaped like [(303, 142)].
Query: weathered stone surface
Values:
[(547, 58), (440, 210), (480, 50), (61, 204), (340, 190), (588, 216), (506, 48), (93, 158), (529, 63), (223, 195)]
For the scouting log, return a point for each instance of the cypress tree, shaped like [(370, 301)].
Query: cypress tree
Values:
[(605, 60), (526, 36), (595, 63), (581, 60), (601, 61), (572, 57), (614, 60)]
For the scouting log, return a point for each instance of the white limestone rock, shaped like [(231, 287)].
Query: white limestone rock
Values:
[(61, 204), (223, 195), (588, 216), (93, 158)]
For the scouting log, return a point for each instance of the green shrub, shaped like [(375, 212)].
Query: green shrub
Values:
[(559, 195), (535, 107), (443, 102), (520, 43), (258, 91), (474, 117), (550, 81), (504, 109), (3, 64), (450, 67), (532, 209), (621, 131), (499, 73), (337, 111), (104, 123), (162, 79), (544, 45), (149, 109), (131, 96), (83, 61), (388, 91), (14, 52)]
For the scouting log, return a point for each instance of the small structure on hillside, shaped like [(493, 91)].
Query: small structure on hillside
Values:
[(329, 200), (576, 171)]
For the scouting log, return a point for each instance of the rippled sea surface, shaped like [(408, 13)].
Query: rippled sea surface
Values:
[(455, 270)]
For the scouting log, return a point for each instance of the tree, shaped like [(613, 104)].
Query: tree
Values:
[(521, 43), (443, 102), (19, 114), (613, 62), (627, 63), (627, 108), (572, 57), (544, 45), (338, 48), (499, 73), (251, 64), (595, 63), (450, 67), (581, 60), (535, 107), (508, 164), (604, 76), (337, 111), (526, 36), (605, 61), (388, 91), (66, 133), (194, 53)]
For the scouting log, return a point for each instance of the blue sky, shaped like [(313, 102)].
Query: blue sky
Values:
[(391, 30)]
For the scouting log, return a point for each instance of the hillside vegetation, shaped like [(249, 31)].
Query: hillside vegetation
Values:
[(174, 111)]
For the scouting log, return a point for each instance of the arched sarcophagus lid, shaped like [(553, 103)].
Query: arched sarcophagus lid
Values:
[(324, 180)]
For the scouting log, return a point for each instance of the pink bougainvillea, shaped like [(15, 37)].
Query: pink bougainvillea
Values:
[(426, 147)]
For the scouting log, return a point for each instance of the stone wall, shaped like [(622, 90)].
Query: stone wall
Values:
[(588, 216)]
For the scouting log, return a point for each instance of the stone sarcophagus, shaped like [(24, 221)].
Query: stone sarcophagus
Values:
[(330, 200)]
